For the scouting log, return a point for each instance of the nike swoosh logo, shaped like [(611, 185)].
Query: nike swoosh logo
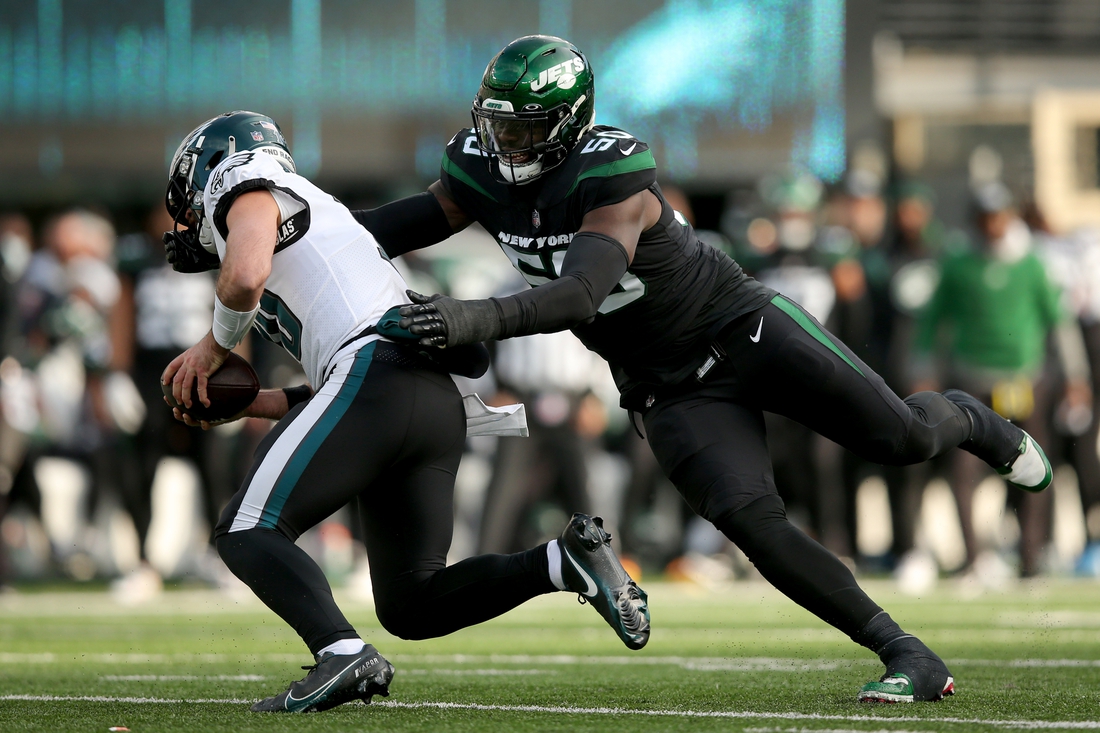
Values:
[(320, 691), (756, 339), (591, 590), (629, 150)]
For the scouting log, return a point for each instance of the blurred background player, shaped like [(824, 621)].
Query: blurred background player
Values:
[(161, 312), (1001, 308)]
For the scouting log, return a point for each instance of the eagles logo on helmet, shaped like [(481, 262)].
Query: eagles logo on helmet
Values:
[(536, 101)]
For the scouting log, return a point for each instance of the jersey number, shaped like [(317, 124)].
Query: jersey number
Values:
[(604, 140), (536, 270), (277, 324)]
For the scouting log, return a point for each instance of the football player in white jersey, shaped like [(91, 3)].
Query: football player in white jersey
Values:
[(386, 424)]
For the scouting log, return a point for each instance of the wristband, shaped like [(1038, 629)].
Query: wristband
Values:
[(230, 326), (295, 395)]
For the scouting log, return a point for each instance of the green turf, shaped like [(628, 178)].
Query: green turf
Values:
[(1028, 654)]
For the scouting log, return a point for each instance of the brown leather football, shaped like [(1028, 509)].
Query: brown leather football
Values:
[(230, 389)]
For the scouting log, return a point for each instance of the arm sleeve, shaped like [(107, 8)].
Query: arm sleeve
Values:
[(593, 265), (407, 224)]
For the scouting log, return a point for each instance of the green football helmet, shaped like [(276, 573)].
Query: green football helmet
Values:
[(200, 153), (535, 103)]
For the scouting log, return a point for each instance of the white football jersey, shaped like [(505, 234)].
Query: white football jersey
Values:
[(329, 279)]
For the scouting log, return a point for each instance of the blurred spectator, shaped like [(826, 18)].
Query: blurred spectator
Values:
[(860, 272), (998, 308), (553, 374), (161, 313), (16, 238), (919, 240), (1073, 262), (65, 302)]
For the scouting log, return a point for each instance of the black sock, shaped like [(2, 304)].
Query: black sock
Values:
[(879, 633), (992, 438)]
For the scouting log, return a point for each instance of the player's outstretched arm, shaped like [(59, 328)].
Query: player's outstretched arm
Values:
[(253, 224), (596, 260), (414, 222)]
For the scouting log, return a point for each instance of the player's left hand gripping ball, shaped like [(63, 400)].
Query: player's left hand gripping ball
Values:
[(230, 390)]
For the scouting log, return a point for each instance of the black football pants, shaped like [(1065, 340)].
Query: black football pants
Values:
[(391, 434), (710, 440)]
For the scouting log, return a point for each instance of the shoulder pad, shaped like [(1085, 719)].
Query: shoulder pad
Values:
[(237, 174), (603, 143), (464, 162), (242, 166), (605, 153)]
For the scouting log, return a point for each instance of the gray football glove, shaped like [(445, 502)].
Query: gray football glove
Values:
[(443, 321)]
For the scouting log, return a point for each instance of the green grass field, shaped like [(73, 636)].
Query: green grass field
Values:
[(741, 659)]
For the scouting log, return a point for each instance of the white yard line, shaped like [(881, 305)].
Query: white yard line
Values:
[(479, 672), (698, 664), (566, 710), (130, 700), (182, 678), (1017, 724)]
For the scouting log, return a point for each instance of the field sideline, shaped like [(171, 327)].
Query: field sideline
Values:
[(741, 659)]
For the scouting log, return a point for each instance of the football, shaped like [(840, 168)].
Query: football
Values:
[(230, 389)]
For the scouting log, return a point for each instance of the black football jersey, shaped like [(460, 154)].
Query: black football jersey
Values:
[(654, 326)]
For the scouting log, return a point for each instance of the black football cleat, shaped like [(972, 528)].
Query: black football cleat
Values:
[(590, 568), (334, 680)]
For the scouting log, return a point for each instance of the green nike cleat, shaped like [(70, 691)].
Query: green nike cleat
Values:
[(591, 569), (334, 680), (894, 688), (1031, 471)]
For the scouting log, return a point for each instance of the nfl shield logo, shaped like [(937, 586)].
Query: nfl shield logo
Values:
[(257, 136), (536, 221)]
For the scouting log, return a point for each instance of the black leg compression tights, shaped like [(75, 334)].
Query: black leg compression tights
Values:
[(425, 604), (421, 604), (806, 572), (287, 580), (391, 438)]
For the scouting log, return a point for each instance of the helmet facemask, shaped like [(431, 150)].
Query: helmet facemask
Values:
[(185, 203), (522, 143)]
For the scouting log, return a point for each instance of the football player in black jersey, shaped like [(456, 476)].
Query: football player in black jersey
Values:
[(697, 348)]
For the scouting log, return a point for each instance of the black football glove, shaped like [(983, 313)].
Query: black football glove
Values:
[(442, 321), (185, 254)]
